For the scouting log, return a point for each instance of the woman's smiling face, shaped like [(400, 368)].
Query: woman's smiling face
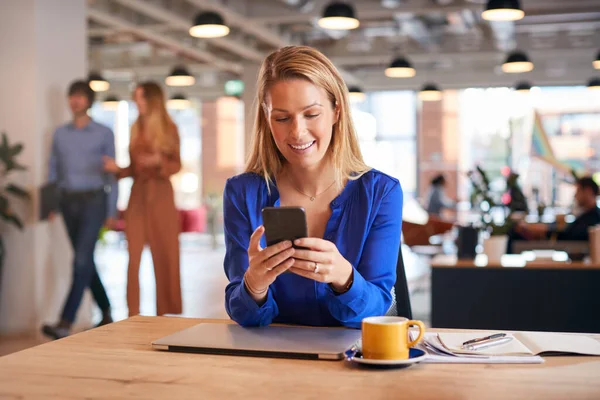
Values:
[(301, 118)]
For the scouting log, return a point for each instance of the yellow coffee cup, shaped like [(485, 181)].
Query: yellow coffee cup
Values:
[(386, 338)]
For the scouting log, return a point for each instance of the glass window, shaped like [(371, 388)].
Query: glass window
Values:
[(386, 127)]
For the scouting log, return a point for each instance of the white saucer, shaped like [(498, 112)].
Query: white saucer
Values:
[(415, 356)]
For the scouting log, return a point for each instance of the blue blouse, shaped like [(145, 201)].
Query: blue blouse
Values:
[(365, 225)]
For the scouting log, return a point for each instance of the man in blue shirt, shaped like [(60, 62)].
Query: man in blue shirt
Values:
[(88, 199)]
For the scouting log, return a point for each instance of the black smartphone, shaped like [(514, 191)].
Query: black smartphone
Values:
[(284, 223)]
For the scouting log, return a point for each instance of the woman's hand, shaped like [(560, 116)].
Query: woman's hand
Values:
[(265, 264), (110, 165), (322, 262), (149, 160)]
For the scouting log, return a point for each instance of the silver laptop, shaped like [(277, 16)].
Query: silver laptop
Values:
[(269, 341)]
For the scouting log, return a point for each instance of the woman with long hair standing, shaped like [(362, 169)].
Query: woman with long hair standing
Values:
[(151, 216)]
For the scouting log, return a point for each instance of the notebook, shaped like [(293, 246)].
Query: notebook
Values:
[(525, 344), (437, 353)]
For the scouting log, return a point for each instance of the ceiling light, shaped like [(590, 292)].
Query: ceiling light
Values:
[(523, 87), (178, 102), (517, 62), (594, 83), (596, 62), (111, 103), (356, 94), (180, 77), (98, 83), (503, 10), (209, 25), (430, 92), (400, 68), (339, 16)]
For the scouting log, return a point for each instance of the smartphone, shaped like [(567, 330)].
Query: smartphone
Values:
[(284, 223)]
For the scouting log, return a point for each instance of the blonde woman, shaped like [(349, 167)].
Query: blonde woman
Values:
[(151, 216), (305, 153)]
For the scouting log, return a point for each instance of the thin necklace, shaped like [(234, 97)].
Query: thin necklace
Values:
[(312, 198)]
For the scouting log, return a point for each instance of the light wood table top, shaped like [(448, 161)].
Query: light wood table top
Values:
[(117, 362), (525, 260)]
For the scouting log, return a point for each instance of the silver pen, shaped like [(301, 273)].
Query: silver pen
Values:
[(487, 343)]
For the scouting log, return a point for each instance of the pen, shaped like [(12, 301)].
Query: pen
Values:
[(488, 343), (494, 336)]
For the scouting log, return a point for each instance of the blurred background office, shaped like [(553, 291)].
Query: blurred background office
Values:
[(458, 87)]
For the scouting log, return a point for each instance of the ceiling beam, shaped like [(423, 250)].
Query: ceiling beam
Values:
[(162, 40), (102, 31), (161, 14), (364, 12)]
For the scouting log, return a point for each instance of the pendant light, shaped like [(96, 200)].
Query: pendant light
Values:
[(98, 83), (517, 62), (596, 62), (356, 94), (178, 102), (430, 92), (111, 103), (209, 25), (523, 87), (594, 84), (503, 10), (339, 16), (180, 77), (400, 68)]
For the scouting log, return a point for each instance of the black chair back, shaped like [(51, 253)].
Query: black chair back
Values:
[(401, 287)]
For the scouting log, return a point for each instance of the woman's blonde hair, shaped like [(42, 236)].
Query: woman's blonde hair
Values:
[(158, 123), (306, 63)]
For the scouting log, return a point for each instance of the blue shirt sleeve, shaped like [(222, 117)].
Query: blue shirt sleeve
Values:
[(238, 229), (53, 163), (109, 179), (375, 275)]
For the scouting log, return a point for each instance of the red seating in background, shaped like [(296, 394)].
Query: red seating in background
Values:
[(193, 220)]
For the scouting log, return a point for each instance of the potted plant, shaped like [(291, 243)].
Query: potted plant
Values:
[(8, 164), (494, 246)]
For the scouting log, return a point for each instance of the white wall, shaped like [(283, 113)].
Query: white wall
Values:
[(43, 48)]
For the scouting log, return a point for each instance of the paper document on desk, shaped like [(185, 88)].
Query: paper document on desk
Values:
[(438, 353), (525, 344)]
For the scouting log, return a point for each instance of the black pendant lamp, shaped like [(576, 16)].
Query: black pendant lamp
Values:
[(517, 62), (430, 92), (111, 102), (339, 16), (178, 102), (97, 82), (209, 25), (523, 87), (180, 76), (400, 68), (594, 83), (596, 62), (503, 10), (356, 94)]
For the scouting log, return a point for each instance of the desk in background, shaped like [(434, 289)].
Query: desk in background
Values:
[(537, 295), (116, 361)]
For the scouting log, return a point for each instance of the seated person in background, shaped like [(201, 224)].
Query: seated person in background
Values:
[(305, 153), (438, 200), (589, 215)]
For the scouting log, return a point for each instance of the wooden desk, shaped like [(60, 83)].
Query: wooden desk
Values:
[(116, 361), (517, 294)]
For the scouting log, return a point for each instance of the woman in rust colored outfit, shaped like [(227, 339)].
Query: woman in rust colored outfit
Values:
[(151, 216)]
